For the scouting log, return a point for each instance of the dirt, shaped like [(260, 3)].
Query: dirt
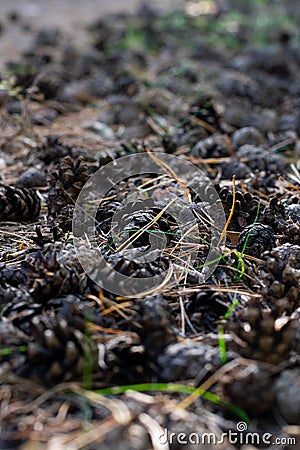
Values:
[(177, 309)]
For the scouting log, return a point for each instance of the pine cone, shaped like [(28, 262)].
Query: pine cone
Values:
[(256, 239), (20, 314), (11, 289), (248, 386), (293, 211), (55, 351), (64, 218), (274, 214), (281, 275), (53, 150), (157, 330), (283, 220), (245, 208), (130, 268), (264, 338), (206, 307), (19, 205), (215, 146), (65, 184), (258, 158), (13, 294), (205, 109), (125, 361), (53, 272), (186, 360)]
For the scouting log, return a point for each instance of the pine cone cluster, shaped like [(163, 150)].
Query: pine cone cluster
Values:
[(65, 183), (50, 342), (18, 204)]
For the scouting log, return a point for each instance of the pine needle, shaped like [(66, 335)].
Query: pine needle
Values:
[(231, 211)]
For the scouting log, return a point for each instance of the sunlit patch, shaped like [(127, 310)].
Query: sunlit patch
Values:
[(202, 7)]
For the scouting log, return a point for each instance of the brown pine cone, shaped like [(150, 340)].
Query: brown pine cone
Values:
[(261, 336), (65, 183), (55, 351), (245, 208), (18, 204), (53, 272)]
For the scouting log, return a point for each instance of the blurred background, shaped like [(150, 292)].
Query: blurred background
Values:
[(226, 19)]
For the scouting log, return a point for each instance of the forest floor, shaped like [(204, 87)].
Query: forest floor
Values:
[(177, 310)]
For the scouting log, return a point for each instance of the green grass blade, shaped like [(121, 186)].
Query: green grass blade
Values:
[(245, 245), (9, 351), (222, 344)]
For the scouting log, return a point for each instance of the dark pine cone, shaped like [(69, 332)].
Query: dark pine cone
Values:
[(54, 272), (76, 310), (265, 338), (258, 239), (53, 150), (133, 269), (215, 146), (45, 348), (157, 330), (11, 290), (293, 211), (205, 109), (20, 314), (55, 351), (125, 361), (13, 294), (104, 215), (281, 274), (274, 214), (282, 220), (245, 208), (19, 205), (65, 184), (137, 216), (249, 386), (202, 121), (206, 307)]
